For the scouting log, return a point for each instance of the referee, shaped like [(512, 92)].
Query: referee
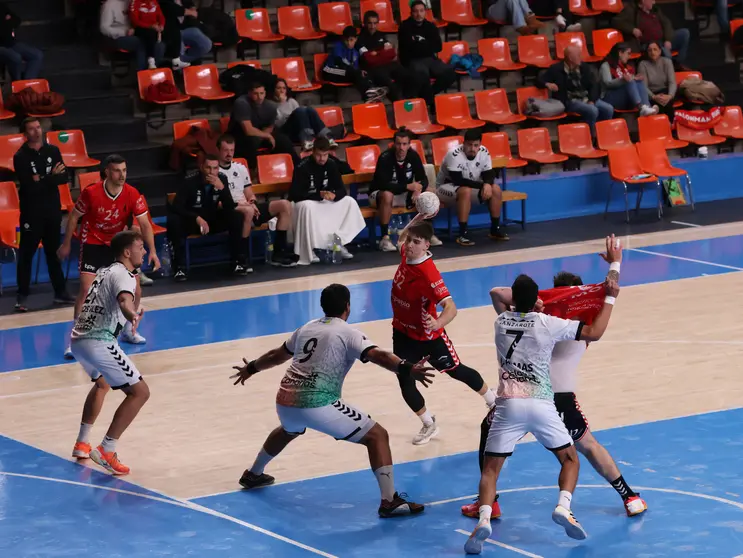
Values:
[(40, 171)]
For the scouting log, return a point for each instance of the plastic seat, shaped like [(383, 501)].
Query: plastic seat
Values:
[(413, 114), (441, 146), (625, 167), (604, 39), (610, 6), (417, 146), (384, 10), (731, 125), (39, 86), (575, 140), (5, 114), (318, 61), (86, 179), (65, 197), (460, 48), (254, 24), (370, 120), (580, 8), (294, 72), (460, 13), (496, 55), (535, 145), (8, 146), (273, 169), (697, 137), (453, 110), (333, 116), (405, 14), (734, 25), (564, 40), (145, 78), (10, 214), (680, 77), (295, 22), (202, 82), (492, 106), (9, 200), (181, 129), (654, 159), (534, 50), (611, 134), (72, 145), (498, 145), (522, 96), (658, 127), (334, 17), (363, 159), (252, 63)]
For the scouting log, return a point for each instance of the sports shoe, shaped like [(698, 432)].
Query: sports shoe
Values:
[(635, 505), (473, 509), (64, 298), (179, 64), (646, 110), (20, 305), (478, 536), (435, 241), (308, 145), (81, 450), (109, 461), (399, 506), (144, 280), (345, 254), (180, 276), (560, 22), (129, 336), (241, 270), (574, 28), (499, 234), (564, 517), (427, 432), (333, 143), (385, 245), (251, 480), (464, 241), (151, 64), (284, 259), (68, 353)]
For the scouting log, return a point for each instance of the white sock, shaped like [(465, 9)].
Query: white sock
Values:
[(485, 512), (261, 460), (386, 480), (426, 418), (565, 499), (108, 444), (84, 433), (489, 397)]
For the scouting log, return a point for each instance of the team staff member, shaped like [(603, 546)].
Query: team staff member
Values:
[(40, 171)]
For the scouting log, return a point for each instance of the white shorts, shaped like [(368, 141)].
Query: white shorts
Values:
[(398, 200), (514, 418), (105, 358), (447, 194), (339, 420)]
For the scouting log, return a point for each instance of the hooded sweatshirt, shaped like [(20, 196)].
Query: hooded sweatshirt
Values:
[(115, 19)]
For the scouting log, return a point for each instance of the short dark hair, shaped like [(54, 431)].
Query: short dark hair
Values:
[(370, 14), (321, 144), (423, 230), (224, 138), (26, 121), (473, 134), (257, 85), (566, 279), (211, 157), (524, 292), (402, 132), (335, 299), (123, 240), (349, 31), (415, 3), (113, 159)]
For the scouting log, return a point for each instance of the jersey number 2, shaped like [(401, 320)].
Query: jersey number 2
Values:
[(518, 334), (308, 349)]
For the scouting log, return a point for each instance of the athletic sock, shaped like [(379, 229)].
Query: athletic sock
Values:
[(386, 480), (280, 242), (494, 224), (384, 229), (622, 488), (261, 460), (489, 397), (426, 418), (108, 444), (462, 228), (565, 499), (485, 512), (84, 433)]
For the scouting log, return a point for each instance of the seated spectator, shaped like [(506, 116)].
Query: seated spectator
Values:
[(148, 22), (723, 17), (657, 71), (623, 88), (301, 124), (254, 213), (643, 22), (342, 66), (181, 20), (203, 205), (115, 25), (253, 125), (518, 13), (574, 85), (560, 10), (418, 43), (467, 177), (22, 61), (321, 206)]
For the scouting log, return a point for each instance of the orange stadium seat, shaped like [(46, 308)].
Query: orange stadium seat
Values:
[(453, 110), (295, 22), (202, 82), (492, 106), (363, 159), (413, 114), (578, 39), (255, 25), (294, 72), (731, 125), (333, 116), (145, 78), (535, 145), (370, 120), (522, 96), (534, 50), (72, 145), (575, 140), (441, 146), (181, 129), (499, 147), (8, 146), (658, 127), (625, 167), (273, 169), (384, 10), (611, 134), (334, 17), (39, 86)]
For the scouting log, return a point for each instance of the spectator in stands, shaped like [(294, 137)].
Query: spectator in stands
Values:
[(342, 66), (321, 207), (418, 43), (560, 10), (573, 84), (115, 25), (301, 124), (657, 71), (643, 22), (253, 125), (467, 177), (254, 213), (204, 205), (182, 31), (148, 21), (623, 88), (15, 54), (723, 17), (518, 13)]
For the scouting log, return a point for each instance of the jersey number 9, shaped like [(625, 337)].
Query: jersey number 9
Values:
[(308, 349)]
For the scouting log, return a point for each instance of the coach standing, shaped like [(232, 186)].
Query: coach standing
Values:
[(40, 171)]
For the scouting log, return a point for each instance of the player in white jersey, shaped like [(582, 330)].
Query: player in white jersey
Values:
[(322, 352), (467, 177), (524, 340), (108, 305)]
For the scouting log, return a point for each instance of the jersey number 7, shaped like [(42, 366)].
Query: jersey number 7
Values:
[(518, 334)]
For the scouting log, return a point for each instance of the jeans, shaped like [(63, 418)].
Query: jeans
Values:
[(591, 113), (516, 9), (13, 57), (630, 95), (680, 43), (195, 44), (723, 18), (132, 43), (304, 124)]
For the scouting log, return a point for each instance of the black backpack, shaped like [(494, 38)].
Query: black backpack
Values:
[(238, 79), (218, 26)]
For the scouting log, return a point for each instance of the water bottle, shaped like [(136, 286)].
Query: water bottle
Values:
[(166, 268), (18, 236), (269, 247), (337, 245)]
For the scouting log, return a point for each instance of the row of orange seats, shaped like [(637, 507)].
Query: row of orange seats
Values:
[(71, 144), (38, 85)]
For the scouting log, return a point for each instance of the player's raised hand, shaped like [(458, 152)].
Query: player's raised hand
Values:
[(244, 372), (422, 373), (613, 250)]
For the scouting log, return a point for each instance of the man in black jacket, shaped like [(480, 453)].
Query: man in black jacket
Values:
[(40, 172), (204, 206), (14, 54), (418, 43)]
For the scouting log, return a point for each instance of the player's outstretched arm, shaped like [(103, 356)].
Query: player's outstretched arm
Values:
[(404, 234), (613, 256), (419, 371), (598, 327), (272, 358)]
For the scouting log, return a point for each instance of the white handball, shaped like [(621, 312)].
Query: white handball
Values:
[(428, 204)]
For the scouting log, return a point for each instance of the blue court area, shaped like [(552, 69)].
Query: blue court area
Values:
[(688, 470)]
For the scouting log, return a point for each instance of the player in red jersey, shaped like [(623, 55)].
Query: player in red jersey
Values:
[(418, 330), (104, 209)]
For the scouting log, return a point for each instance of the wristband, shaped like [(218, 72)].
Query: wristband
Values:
[(252, 369), (404, 367), (614, 266), (610, 300)]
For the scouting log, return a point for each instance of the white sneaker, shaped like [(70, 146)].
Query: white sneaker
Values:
[(144, 280), (645, 110), (478, 536), (314, 259), (345, 254), (151, 64), (385, 245), (574, 28), (560, 21), (564, 517), (128, 336), (435, 241), (68, 353), (427, 432), (308, 145), (179, 64)]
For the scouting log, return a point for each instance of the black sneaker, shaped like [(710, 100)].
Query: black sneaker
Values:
[(464, 241), (499, 234), (251, 480), (180, 276), (64, 298), (399, 506), (20, 305), (241, 270), (284, 260)]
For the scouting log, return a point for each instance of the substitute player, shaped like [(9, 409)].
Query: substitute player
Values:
[(524, 341), (418, 331), (322, 352), (105, 209), (108, 305)]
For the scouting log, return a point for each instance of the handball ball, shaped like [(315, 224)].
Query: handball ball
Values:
[(427, 204)]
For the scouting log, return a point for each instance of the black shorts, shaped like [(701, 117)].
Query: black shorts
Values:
[(264, 216), (441, 353), (95, 256), (571, 415)]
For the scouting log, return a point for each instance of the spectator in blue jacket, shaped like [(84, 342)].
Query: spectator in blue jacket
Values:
[(342, 66)]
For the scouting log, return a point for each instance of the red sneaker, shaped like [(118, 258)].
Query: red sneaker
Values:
[(473, 509), (635, 505), (81, 450), (109, 461)]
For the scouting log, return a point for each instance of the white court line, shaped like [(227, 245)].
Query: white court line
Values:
[(179, 503), (685, 224), (504, 545), (684, 259)]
